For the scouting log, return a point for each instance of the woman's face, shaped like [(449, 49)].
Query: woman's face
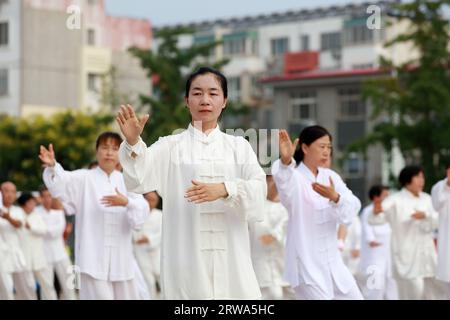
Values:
[(206, 99), (29, 206), (318, 153), (417, 183)]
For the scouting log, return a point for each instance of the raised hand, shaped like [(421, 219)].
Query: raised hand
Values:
[(326, 191), (204, 192), (47, 156), (117, 200), (130, 125), (287, 148)]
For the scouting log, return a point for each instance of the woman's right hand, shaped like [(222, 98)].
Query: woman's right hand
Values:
[(47, 156), (287, 148), (130, 125)]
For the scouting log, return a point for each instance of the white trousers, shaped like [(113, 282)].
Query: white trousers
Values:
[(141, 285), (420, 289), (6, 286), (25, 284), (63, 273), (308, 292), (94, 289), (150, 274), (384, 288)]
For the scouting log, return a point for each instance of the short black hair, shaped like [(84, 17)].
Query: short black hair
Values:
[(205, 70), (408, 173), (105, 136), (24, 198), (375, 191)]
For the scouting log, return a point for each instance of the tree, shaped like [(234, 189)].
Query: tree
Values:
[(73, 135), (413, 103), (168, 67)]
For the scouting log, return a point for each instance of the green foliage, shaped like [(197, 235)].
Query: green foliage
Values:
[(73, 135), (412, 105)]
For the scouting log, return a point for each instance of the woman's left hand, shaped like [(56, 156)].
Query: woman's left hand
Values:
[(117, 200), (326, 191), (204, 192)]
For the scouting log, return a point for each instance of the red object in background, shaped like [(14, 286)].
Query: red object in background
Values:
[(155, 79), (301, 61)]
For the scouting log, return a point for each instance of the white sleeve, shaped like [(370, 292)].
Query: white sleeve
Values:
[(440, 195), (247, 194), (284, 177), (37, 226), (143, 167), (348, 205), (63, 185), (137, 210)]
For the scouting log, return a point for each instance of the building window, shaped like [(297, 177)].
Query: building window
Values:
[(354, 165), (91, 37), (279, 46), (234, 88), (4, 85), (330, 41), (352, 106), (234, 47), (304, 43), (359, 35), (356, 31), (254, 46), (303, 107), (94, 83), (4, 34)]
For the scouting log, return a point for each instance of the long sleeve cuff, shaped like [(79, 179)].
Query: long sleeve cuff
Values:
[(136, 149), (231, 188)]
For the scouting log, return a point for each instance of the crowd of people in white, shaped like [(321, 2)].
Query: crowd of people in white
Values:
[(226, 229)]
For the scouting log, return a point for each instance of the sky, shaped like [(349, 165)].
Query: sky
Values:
[(170, 12)]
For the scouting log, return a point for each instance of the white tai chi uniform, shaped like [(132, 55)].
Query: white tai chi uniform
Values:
[(413, 249), (6, 262), (24, 287), (314, 265), (375, 265), (37, 267), (441, 201), (148, 254), (205, 248), (268, 259), (103, 243), (55, 251), (351, 243)]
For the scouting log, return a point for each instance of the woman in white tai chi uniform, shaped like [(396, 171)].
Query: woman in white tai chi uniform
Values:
[(317, 200), (211, 184)]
